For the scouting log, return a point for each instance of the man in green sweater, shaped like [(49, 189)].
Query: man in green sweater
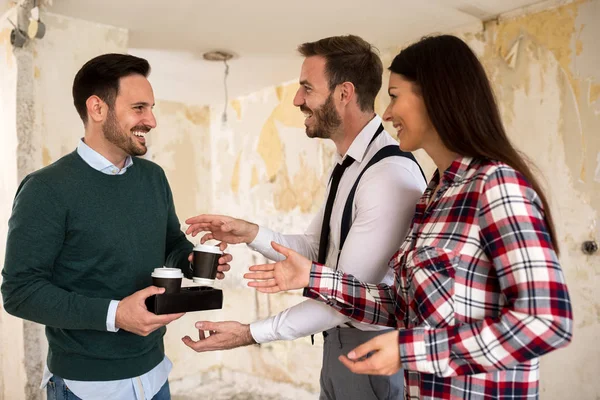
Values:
[(84, 236)]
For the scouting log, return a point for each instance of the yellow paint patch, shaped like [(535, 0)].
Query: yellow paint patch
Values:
[(594, 92), (578, 47), (235, 178), (551, 29), (286, 112), (269, 144), (5, 41), (36, 73), (46, 159), (304, 190), (305, 185), (5, 36), (254, 180), (279, 92), (270, 148), (198, 115), (237, 107)]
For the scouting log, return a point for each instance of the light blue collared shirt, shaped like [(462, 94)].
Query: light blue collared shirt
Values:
[(142, 387)]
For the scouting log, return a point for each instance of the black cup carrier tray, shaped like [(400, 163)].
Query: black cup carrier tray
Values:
[(192, 298)]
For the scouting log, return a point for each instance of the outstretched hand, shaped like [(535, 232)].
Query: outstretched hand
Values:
[(222, 336), (221, 227), (291, 273)]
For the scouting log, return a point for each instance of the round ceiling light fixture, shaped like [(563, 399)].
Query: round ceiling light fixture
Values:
[(218, 55)]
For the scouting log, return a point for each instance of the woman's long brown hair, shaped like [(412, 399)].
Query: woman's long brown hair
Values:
[(461, 105)]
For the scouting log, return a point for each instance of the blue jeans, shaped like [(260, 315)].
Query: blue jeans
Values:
[(57, 390)]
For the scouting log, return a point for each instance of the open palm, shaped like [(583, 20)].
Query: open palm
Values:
[(291, 273)]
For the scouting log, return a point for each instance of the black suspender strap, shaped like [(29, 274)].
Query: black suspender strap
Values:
[(384, 152)]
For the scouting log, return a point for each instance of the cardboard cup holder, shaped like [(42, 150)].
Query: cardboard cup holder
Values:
[(192, 298)]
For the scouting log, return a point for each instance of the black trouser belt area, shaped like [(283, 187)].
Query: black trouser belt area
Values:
[(348, 325)]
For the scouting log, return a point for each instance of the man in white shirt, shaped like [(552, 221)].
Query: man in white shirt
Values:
[(339, 81)]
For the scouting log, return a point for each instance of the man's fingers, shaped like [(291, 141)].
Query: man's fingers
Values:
[(208, 326), (262, 267), (194, 345), (195, 228), (225, 259), (150, 291), (224, 267), (202, 218), (207, 236), (164, 319), (261, 275), (201, 335), (223, 246), (274, 289), (220, 275)]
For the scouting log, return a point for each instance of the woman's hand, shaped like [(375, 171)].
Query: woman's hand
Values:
[(289, 274), (378, 356)]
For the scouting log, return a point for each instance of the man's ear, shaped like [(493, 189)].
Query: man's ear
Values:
[(347, 92), (97, 109)]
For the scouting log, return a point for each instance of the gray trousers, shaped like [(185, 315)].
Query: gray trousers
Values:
[(339, 383)]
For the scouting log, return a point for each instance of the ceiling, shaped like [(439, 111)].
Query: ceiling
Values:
[(263, 34)]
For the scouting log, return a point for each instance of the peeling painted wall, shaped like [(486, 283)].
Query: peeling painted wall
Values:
[(544, 67), (67, 45), (545, 71), (261, 166), (39, 125), (11, 329)]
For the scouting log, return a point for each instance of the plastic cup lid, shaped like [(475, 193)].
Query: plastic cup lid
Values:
[(208, 249), (165, 272)]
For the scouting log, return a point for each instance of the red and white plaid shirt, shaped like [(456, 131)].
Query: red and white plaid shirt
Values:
[(479, 294)]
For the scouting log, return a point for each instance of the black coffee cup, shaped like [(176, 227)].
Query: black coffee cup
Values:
[(169, 278), (205, 263)]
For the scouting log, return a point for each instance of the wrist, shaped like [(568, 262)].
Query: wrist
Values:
[(117, 314), (248, 338), (307, 269), (252, 232)]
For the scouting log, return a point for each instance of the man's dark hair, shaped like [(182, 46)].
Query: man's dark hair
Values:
[(349, 59), (100, 76)]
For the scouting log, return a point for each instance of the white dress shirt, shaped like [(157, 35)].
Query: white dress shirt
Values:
[(142, 387), (383, 209)]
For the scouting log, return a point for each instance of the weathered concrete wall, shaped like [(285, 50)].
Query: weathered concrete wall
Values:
[(41, 125), (544, 67), (11, 329), (546, 74), (261, 166)]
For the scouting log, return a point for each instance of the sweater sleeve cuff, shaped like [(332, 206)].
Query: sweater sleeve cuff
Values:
[(97, 313)]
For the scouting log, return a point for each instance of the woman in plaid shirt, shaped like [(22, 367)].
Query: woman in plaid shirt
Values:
[(479, 293)]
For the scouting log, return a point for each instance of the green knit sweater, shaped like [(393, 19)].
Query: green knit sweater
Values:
[(78, 239)]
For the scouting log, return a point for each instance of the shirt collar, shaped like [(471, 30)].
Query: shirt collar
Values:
[(456, 171), (98, 161), (358, 148)]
